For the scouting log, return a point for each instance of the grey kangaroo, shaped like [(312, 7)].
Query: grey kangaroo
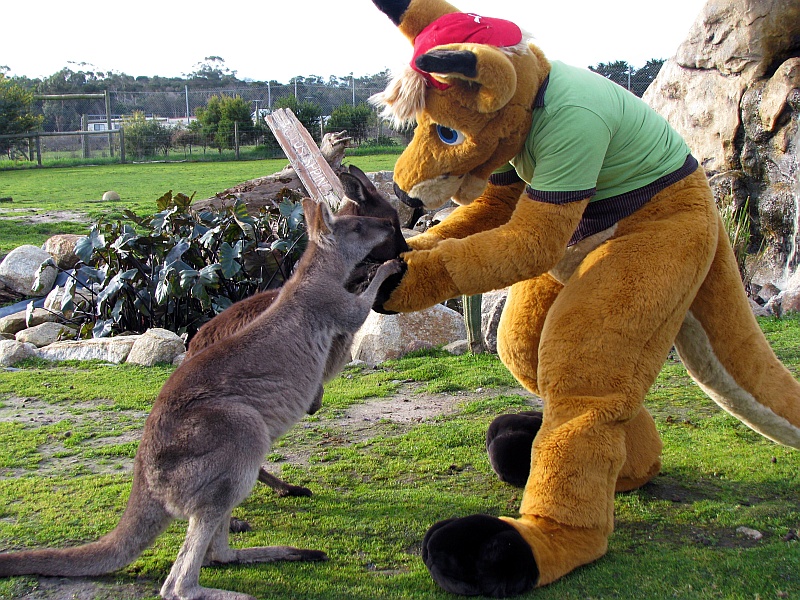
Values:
[(363, 199), (218, 413)]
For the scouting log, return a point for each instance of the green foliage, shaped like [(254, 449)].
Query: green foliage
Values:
[(353, 119), (737, 224), (308, 113), (15, 116), (628, 76), (178, 268), (218, 117), (146, 137)]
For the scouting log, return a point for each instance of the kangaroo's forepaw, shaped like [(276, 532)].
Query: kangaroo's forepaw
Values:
[(508, 442), (479, 555)]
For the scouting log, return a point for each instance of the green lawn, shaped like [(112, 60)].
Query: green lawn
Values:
[(79, 190), (379, 483)]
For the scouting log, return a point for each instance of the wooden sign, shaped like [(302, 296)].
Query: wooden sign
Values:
[(313, 170)]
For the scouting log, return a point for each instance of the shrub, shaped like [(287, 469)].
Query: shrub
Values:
[(180, 267), (145, 137)]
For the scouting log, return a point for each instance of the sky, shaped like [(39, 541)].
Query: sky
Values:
[(280, 39)]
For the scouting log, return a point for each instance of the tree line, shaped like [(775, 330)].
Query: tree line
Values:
[(332, 104)]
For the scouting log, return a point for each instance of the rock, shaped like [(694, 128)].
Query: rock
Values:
[(758, 310), (750, 533), (156, 346), (18, 270), (384, 337), (111, 196), (457, 348), (178, 360), (62, 248), (44, 334), (12, 351), (790, 301), (114, 350), (14, 323), (492, 305), (768, 291), (733, 91)]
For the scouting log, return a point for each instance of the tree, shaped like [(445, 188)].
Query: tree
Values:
[(146, 137), (635, 80), (16, 115), (218, 118), (354, 119)]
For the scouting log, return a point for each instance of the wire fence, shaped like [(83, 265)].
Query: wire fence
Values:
[(175, 110)]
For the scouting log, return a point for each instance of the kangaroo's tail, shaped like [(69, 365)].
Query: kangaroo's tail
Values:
[(724, 350), (143, 520)]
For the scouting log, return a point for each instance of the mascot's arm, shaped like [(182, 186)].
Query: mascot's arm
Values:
[(531, 243), (491, 210)]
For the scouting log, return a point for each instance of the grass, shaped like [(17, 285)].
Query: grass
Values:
[(379, 485), (79, 191)]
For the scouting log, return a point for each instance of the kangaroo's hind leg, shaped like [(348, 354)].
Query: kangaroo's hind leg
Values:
[(220, 552)]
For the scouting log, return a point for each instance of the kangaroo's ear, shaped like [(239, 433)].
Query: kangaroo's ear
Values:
[(357, 186), (482, 64), (326, 219), (314, 219)]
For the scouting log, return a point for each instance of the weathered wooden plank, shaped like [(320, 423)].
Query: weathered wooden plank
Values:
[(316, 174)]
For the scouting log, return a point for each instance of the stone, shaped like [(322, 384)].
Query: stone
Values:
[(733, 91), (156, 346), (385, 337), (111, 196), (492, 304), (457, 348), (14, 323), (62, 248), (18, 270), (44, 334), (12, 351), (114, 350)]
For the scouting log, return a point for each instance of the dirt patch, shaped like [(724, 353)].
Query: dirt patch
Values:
[(32, 216), (61, 588)]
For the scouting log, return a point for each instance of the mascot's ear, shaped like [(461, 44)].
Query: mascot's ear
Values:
[(412, 16), (485, 65)]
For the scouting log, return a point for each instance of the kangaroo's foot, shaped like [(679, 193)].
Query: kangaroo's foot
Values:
[(508, 442), (280, 486), (479, 555)]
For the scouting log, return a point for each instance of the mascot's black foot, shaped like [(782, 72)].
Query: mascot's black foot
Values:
[(509, 441), (479, 555)]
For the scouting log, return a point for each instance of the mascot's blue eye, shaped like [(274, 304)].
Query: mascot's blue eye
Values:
[(451, 137)]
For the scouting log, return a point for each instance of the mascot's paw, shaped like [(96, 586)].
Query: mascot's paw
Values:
[(509, 441), (479, 555)]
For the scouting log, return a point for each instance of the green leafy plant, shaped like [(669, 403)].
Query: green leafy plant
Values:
[(146, 137), (737, 221), (179, 267)]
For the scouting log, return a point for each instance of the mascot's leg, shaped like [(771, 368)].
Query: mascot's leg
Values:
[(510, 437), (602, 345)]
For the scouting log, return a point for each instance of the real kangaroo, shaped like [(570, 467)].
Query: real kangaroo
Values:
[(217, 415), (363, 199)]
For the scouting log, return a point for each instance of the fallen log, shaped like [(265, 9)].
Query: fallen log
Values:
[(268, 191)]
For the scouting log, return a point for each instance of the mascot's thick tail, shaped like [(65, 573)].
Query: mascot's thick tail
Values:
[(725, 352), (143, 520)]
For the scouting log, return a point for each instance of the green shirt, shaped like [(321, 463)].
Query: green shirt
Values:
[(591, 136)]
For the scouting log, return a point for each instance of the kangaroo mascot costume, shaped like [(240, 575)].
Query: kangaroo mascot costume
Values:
[(581, 198)]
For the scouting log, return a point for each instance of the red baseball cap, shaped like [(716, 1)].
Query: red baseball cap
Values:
[(455, 28)]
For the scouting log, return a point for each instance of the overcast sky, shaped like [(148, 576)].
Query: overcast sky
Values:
[(280, 39)]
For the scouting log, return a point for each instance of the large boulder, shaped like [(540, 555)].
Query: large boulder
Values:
[(385, 337), (12, 351), (19, 269), (114, 350), (45, 334), (733, 91), (62, 248), (156, 346)]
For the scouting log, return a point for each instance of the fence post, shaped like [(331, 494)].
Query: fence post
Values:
[(38, 151), (108, 124), (84, 145), (121, 145), (236, 138), (472, 321)]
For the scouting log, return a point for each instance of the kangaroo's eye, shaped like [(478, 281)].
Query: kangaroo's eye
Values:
[(451, 137)]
